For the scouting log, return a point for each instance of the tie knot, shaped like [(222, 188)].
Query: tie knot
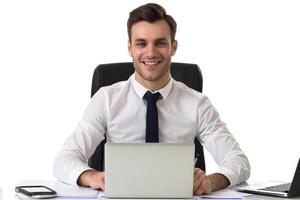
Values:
[(151, 97)]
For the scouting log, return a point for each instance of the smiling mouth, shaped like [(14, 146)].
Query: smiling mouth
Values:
[(151, 63)]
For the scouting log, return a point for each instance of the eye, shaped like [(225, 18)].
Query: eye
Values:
[(140, 44), (161, 43)]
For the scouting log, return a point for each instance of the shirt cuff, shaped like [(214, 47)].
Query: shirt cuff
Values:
[(231, 176), (77, 172)]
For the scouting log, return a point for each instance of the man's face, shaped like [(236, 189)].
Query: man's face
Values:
[(151, 50)]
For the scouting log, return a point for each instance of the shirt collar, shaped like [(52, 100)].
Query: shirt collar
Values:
[(141, 90)]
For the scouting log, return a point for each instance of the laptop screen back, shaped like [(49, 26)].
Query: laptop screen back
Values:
[(149, 170)]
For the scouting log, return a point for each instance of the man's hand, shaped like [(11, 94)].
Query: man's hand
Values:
[(204, 184), (93, 179)]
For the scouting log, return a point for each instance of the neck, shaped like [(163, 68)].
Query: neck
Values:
[(155, 84)]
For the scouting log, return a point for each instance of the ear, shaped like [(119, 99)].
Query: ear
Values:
[(174, 47), (129, 48)]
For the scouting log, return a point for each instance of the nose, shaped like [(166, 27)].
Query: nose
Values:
[(151, 50)]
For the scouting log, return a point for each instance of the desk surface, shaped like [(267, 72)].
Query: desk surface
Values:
[(1, 193), (7, 192), (261, 197)]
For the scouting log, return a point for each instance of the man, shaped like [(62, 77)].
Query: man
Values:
[(118, 111)]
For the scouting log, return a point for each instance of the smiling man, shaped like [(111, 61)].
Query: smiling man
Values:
[(151, 48), (119, 111)]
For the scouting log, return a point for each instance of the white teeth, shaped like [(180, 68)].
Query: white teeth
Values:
[(151, 62)]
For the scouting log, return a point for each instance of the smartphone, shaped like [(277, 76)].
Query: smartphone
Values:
[(36, 191)]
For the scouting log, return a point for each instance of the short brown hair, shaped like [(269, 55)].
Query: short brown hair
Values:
[(150, 12)]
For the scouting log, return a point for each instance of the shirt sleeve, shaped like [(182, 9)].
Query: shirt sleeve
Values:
[(221, 144), (71, 160)]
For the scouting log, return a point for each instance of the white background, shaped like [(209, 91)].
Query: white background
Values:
[(248, 51)]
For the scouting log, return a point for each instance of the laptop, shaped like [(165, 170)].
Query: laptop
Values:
[(280, 190), (149, 170)]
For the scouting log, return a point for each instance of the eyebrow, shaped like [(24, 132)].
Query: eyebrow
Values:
[(161, 39), (143, 40), (139, 40)]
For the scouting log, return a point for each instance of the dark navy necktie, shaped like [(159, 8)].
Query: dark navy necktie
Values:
[(151, 117)]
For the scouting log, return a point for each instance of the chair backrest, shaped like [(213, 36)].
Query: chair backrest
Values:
[(107, 74)]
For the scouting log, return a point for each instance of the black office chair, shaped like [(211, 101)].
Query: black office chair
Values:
[(107, 74)]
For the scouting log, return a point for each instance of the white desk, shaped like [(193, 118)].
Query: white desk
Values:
[(261, 197), (8, 192), (1, 193)]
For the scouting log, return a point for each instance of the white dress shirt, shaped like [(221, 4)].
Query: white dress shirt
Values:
[(119, 112)]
